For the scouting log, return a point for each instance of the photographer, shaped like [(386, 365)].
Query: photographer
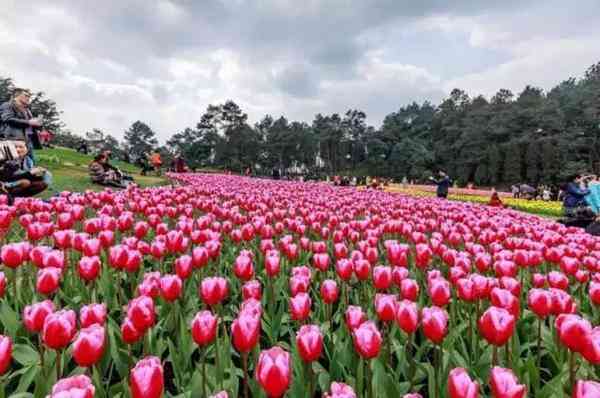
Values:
[(18, 176), (17, 122), (443, 184)]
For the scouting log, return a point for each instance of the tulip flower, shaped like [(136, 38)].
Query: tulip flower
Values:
[(204, 328), (12, 255), (496, 325), (184, 266), (340, 390), (2, 284), (385, 307), (146, 379), (409, 289), (300, 307), (354, 317), (89, 268), (460, 384), (505, 299), (329, 291), (245, 331), (273, 372), (243, 268), (92, 314), (272, 263), (321, 261), (89, 345), (141, 312), (573, 331), (591, 352), (299, 284), (407, 316), (6, 348), (367, 340), (222, 394), (129, 333), (586, 389), (435, 324), (252, 289), (439, 292), (34, 315), (48, 280), (310, 343), (171, 287), (344, 269), (59, 329), (504, 384), (76, 386), (213, 290)]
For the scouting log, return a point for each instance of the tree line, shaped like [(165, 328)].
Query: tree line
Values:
[(534, 137)]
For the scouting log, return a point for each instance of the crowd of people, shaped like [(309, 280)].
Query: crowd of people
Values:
[(546, 193)]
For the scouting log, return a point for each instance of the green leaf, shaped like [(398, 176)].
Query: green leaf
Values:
[(10, 319), (25, 355), (27, 378)]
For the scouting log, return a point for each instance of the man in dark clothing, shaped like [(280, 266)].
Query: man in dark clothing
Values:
[(443, 184), (17, 122)]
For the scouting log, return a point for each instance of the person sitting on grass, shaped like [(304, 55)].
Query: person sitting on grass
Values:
[(19, 177), (103, 174), (495, 200)]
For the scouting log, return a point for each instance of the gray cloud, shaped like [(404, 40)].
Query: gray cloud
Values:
[(110, 63)]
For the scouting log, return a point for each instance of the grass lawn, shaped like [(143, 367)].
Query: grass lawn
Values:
[(70, 172)]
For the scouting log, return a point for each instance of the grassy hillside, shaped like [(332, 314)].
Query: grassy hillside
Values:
[(70, 172)]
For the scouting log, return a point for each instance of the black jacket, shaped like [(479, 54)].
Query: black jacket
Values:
[(14, 124)]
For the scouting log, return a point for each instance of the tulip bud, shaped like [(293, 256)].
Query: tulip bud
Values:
[(496, 325), (354, 317), (310, 343), (252, 289), (146, 379), (92, 314), (245, 331), (504, 384), (89, 345), (435, 324), (300, 306), (76, 386), (329, 291), (460, 384), (6, 348), (171, 287), (273, 372), (407, 316), (367, 340), (204, 328), (59, 329), (213, 290)]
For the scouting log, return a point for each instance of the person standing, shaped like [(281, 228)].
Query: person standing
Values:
[(443, 184), (17, 122)]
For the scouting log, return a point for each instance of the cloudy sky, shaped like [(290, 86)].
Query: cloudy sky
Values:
[(108, 63)]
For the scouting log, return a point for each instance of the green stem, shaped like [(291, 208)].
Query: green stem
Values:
[(572, 370), (245, 366), (203, 359), (495, 356), (58, 358), (411, 361)]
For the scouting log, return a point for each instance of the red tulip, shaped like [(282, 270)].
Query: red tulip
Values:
[(12, 255), (434, 322), (251, 307), (92, 247), (243, 268), (496, 325), (422, 255), (141, 313), (504, 384), (6, 348), (460, 384), (540, 302), (252, 289), (562, 302), (245, 331), (362, 269), (321, 261), (146, 378), (150, 285), (34, 315), (299, 284), (382, 277), (586, 389), (340, 390), (89, 268), (385, 307), (354, 317), (272, 263), (129, 333), (538, 280), (73, 387), (344, 269), (591, 351), (92, 314), (171, 287), (310, 343), (504, 299), (300, 307), (558, 280), (89, 345), (63, 239), (48, 280), (184, 266), (594, 292), (204, 328), (574, 332), (409, 289), (2, 284), (213, 290), (439, 291), (273, 372), (367, 340), (329, 291), (407, 316), (59, 329)]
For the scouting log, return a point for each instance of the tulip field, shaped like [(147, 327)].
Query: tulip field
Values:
[(226, 286)]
